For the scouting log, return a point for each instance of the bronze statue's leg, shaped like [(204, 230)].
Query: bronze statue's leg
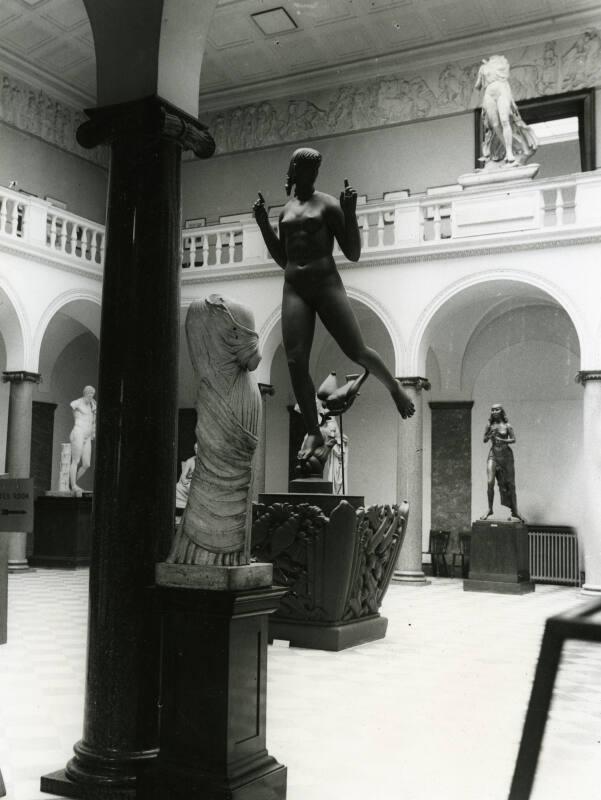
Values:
[(336, 313), (298, 327)]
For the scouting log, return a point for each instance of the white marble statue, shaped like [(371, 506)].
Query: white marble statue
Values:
[(182, 487), (507, 138), (224, 351), (82, 435)]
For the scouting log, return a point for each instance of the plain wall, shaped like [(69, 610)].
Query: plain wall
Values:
[(46, 170), (414, 156)]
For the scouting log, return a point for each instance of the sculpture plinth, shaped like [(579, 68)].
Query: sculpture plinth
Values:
[(499, 558), (336, 560), (213, 693)]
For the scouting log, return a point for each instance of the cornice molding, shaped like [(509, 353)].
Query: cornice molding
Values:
[(21, 376), (145, 120), (416, 382), (586, 375), (39, 257)]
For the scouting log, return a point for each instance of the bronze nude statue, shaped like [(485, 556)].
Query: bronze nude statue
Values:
[(500, 466), (308, 225)]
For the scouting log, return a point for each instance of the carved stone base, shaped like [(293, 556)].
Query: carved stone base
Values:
[(498, 587), (310, 486), (499, 174), (59, 783), (213, 698), (214, 578), (323, 636)]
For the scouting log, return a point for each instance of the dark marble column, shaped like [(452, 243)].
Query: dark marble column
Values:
[(18, 450), (266, 390), (135, 443), (410, 471), (451, 501)]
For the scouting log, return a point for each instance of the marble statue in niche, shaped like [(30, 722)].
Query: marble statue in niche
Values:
[(308, 225), (224, 350), (500, 464), (507, 138), (82, 436)]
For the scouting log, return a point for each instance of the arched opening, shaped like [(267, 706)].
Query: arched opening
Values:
[(68, 362), (509, 342), (370, 425), (12, 357)]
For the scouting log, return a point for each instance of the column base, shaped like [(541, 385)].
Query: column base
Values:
[(410, 577), (17, 551), (18, 566), (60, 783), (590, 590)]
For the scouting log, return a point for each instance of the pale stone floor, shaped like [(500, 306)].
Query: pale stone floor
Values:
[(432, 712)]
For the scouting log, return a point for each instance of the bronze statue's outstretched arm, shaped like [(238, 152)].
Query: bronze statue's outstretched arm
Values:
[(343, 221), (274, 244)]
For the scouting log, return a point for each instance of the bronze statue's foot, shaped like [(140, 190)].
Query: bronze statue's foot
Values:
[(402, 401), (487, 515), (310, 445)]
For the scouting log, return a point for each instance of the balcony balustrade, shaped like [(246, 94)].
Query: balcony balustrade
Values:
[(435, 221)]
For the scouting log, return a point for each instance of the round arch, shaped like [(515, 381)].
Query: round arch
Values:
[(270, 334), (77, 301), (15, 330), (418, 345)]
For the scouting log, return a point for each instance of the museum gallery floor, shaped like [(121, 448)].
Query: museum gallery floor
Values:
[(432, 712)]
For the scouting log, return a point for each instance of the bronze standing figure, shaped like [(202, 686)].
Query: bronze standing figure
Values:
[(308, 225), (500, 464)]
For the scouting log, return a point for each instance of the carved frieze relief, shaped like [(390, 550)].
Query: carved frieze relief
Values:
[(36, 112), (539, 69)]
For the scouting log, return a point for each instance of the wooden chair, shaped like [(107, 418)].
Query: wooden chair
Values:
[(463, 554), (437, 549)]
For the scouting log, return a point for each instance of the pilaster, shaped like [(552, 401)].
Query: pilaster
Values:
[(591, 531)]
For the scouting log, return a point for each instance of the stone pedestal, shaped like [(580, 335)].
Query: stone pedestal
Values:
[(336, 560), (410, 475), (62, 531), (213, 695), (499, 558)]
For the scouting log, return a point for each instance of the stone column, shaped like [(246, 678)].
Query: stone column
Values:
[(590, 538), (18, 450), (266, 390), (409, 481), (135, 472)]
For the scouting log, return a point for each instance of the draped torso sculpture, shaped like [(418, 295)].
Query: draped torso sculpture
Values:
[(223, 347)]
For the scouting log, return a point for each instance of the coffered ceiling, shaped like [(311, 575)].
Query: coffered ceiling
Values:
[(250, 50)]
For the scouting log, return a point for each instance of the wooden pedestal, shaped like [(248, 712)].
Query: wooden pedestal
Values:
[(62, 531), (213, 697), (499, 558)]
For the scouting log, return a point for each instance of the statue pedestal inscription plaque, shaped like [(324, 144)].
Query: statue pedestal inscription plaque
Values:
[(499, 558)]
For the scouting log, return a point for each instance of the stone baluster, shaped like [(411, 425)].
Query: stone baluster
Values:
[(409, 480), (18, 450), (591, 529)]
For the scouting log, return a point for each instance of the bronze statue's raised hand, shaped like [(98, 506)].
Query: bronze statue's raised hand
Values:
[(348, 198), (260, 210)]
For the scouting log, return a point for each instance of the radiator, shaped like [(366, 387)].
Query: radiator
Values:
[(553, 554)]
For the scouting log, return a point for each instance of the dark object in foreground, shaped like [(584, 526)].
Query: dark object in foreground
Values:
[(336, 559), (575, 624)]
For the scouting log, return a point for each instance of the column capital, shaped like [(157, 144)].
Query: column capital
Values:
[(142, 120), (266, 389), (415, 381), (21, 376), (586, 375)]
